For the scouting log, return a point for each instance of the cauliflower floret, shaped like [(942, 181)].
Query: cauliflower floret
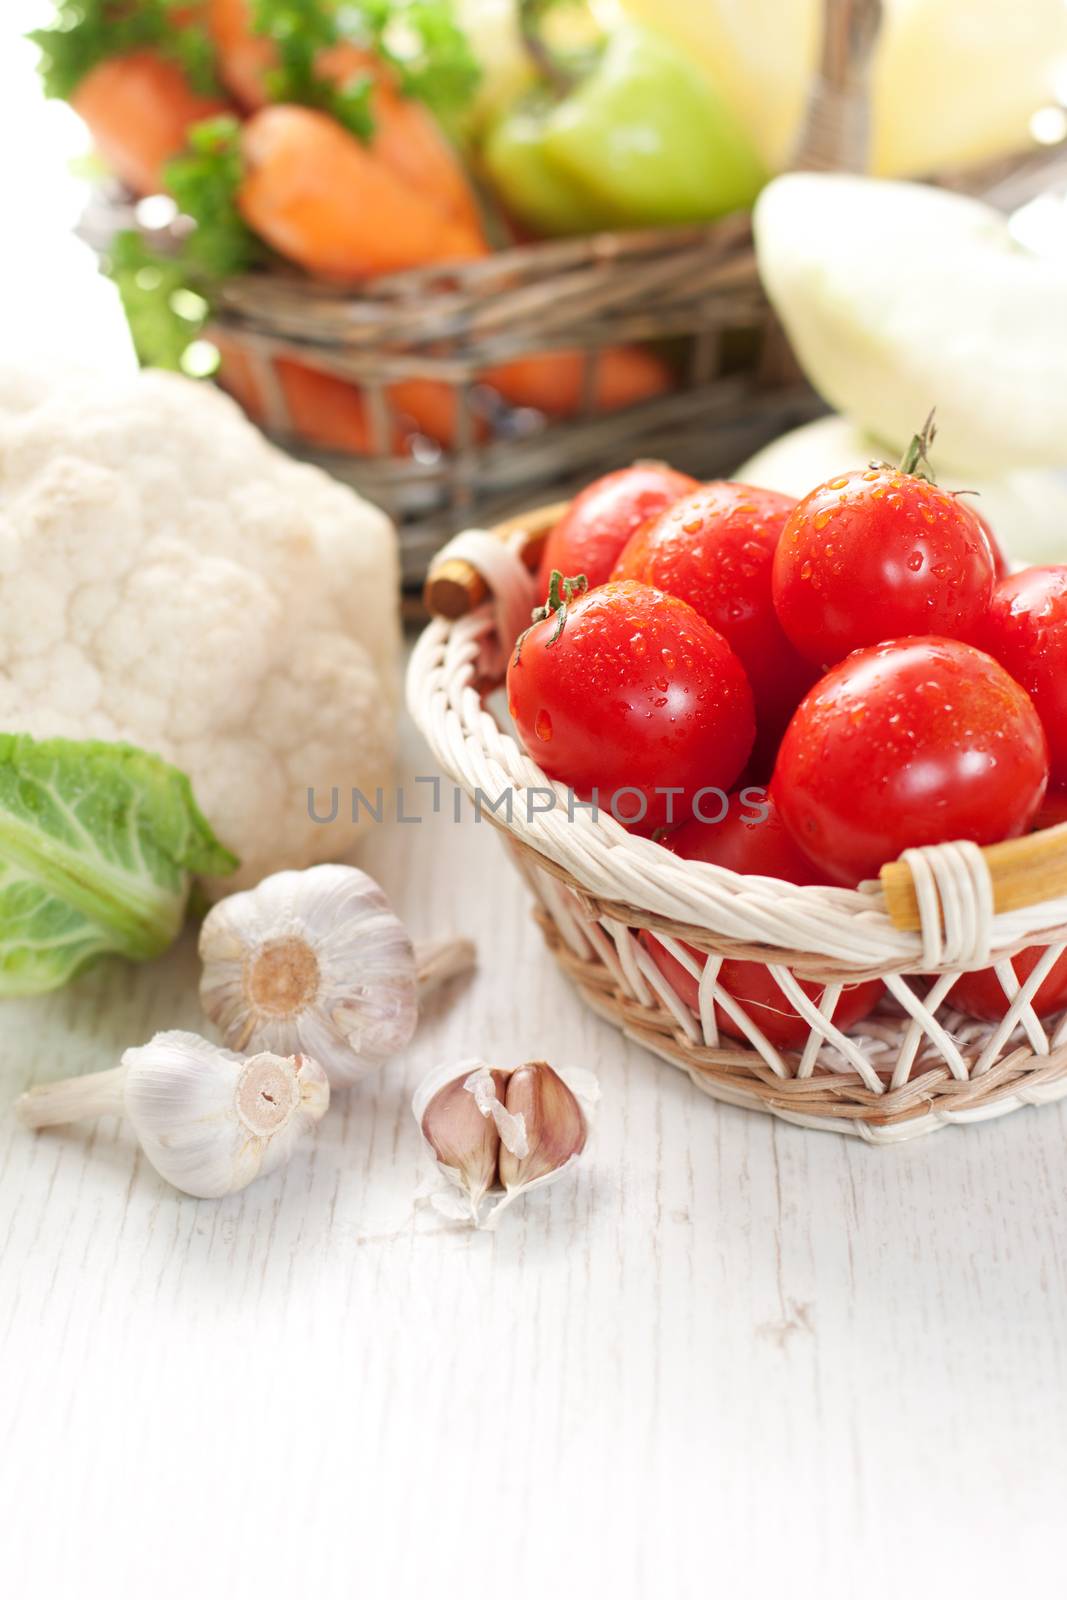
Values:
[(170, 579)]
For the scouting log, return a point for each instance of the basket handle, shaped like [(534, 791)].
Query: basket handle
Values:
[(836, 133), (454, 588), (1022, 873)]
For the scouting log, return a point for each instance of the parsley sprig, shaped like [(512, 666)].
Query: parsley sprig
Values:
[(85, 32)]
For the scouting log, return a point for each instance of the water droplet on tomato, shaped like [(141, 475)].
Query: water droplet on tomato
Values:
[(668, 660), (915, 561), (806, 571), (543, 725)]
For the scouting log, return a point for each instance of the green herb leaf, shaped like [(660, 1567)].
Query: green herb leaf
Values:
[(204, 181), (420, 39), (147, 283), (85, 32), (97, 845), (429, 50), (167, 298)]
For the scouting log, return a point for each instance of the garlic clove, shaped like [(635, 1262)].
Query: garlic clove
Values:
[(554, 1111), (554, 1126), (313, 962), (452, 1107), (210, 1120)]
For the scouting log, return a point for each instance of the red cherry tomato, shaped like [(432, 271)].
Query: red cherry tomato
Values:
[(589, 536), (751, 837), (880, 554), (715, 549), (1054, 810), (979, 994), (629, 690), (1026, 631), (1000, 560), (745, 841), (911, 743)]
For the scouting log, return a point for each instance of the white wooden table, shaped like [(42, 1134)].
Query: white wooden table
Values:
[(731, 1358)]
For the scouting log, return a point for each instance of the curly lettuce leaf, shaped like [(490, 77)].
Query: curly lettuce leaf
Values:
[(98, 843)]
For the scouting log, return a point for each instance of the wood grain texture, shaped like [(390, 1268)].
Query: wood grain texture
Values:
[(731, 1357)]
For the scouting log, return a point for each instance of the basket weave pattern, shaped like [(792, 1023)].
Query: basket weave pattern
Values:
[(913, 1066)]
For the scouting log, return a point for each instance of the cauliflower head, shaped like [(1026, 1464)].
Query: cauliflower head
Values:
[(170, 580)]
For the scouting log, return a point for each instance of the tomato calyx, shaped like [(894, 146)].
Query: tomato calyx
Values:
[(916, 459), (561, 591)]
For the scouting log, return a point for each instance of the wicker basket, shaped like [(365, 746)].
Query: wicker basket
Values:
[(911, 1067), (694, 292)]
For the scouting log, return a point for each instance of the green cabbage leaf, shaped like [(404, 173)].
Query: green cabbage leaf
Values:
[(98, 846)]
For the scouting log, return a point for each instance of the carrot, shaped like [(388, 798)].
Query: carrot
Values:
[(321, 408), (244, 56), (138, 109), (323, 200), (326, 410), (552, 381), (406, 136)]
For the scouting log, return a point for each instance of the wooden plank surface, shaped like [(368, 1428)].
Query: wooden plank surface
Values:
[(731, 1357)]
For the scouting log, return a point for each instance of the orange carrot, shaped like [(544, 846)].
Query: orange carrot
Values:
[(331, 412), (323, 200), (138, 109), (406, 136), (244, 56), (319, 407), (552, 381)]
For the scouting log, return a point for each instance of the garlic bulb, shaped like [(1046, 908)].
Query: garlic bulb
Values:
[(317, 961), (208, 1120), (490, 1129)]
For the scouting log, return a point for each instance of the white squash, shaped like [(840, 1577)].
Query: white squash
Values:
[(1026, 510), (898, 297)]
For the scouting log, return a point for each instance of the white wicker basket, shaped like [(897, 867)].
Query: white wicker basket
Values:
[(912, 1067)]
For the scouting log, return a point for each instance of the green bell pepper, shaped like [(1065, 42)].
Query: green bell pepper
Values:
[(642, 141)]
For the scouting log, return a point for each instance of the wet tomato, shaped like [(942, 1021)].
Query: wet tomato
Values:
[(588, 538), (981, 995), (1000, 560), (1026, 631), (715, 549), (913, 742), (751, 839), (627, 692), (880, 554)]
